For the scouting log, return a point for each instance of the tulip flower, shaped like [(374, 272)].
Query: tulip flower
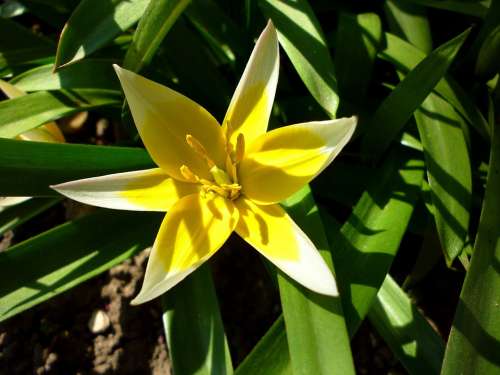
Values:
[(213, 180)]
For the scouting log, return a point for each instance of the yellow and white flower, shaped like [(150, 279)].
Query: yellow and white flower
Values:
[(214, 179)]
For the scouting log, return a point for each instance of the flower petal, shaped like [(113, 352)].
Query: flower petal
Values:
[(11, 201), (280, 162), (276, 236), (193, 230), (49, 132), (251, 105), (145, 190), (164, 117)]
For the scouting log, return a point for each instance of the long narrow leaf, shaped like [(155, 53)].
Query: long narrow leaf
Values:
[(405, 57), (414, 342), (371, 236), (315, 324), (301, 37), (359, 38), (93, 24), (473, 8), (157, 20), (449, 171), (410, 22), (193, 325), (89, 73), (28, 168), (51, 263), (398, 107), (474, 341), (15, 215), (19, 46), (30, 111), (270, 355)]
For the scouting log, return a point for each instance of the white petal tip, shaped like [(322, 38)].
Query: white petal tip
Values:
[(327, 287), (137, 301)]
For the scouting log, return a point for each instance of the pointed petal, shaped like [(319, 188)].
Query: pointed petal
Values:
[(280, 162), (10, 90), (193, 230), (164, 117), (11, 201), (276, 236), (251, 105), (49, 132), (145, 190)]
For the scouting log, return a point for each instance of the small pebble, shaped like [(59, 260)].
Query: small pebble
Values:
[(98, 322)]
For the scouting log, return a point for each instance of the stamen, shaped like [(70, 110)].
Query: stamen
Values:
[(199, 149), (229, 130), (188, 174), (240, 148)]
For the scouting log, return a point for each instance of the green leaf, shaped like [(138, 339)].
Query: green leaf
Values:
[(89, 73), (300, 35), (28, 168), (93, 24), (477, 8), (405, 57), (55, 261), (11, 8), (398, 107), (157, 20), (54, 13), (30, 111), (410, 337), (410, 22), (487, 63), (19, 46), (221, 32), (15, 215), (270, 355), (359, 37), (365, 247), (449, 171), (193, 326), (474, 341), (491, 21), (315, 323)]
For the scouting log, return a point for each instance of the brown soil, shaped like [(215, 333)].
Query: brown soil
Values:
[(54, 338)]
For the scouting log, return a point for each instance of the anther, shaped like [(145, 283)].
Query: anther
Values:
[(199, 149), (240, 148), (188, 174)]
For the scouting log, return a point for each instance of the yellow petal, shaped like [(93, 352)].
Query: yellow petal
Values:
[(164, 117), (252, 101), (276, 236), (192, 231), (49, 132), (280, 162), (146, 190), (10, 91)]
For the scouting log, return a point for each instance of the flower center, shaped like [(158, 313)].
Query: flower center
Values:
[(224, 182)]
